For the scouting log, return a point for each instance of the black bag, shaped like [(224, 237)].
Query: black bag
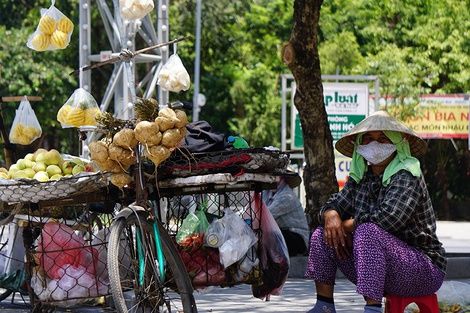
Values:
[(202, 138)]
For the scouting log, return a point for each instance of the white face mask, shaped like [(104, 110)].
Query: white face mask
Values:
[(376, 152)]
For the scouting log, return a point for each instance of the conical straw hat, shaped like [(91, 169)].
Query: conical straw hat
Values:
[(380, 121)]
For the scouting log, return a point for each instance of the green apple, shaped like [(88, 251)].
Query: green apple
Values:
[(53, 169), (4, 175), (29, 172), (37, 152), (41, 176), (28, 163), (39, 167), (41, 157), (29, 156), (19, 174), (55, 177), (67, 167), (20, 164), (13, 168), (77, 161), (53, 157), (77, 169)]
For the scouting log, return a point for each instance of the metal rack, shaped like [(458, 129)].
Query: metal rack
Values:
[(121, 35)]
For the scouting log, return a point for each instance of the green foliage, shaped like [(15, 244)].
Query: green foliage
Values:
[(27, 72), (240, 63)]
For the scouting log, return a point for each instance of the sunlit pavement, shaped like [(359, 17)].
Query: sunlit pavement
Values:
[(298, 294)]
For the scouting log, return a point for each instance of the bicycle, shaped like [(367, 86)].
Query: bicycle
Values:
[(139, 243), (154, 271)]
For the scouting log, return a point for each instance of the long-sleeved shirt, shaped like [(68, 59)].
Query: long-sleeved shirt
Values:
[(287, 210), (402, 208)]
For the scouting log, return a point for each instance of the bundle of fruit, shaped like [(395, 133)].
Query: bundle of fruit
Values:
[(158, 137), (80, 109), (53, 32), (43, 166), (45, 175)]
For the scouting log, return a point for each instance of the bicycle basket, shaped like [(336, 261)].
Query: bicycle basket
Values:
[(31, 190)]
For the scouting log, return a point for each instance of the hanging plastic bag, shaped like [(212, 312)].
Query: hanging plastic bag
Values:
[(239, 237), (59, 247), (135, 9), (454, 296), (25, 128), (80, 109), (173, 75), (53, 31), (191, 232), (274, 256)]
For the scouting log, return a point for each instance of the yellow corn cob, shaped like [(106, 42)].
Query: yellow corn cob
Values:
[(65, 25), (47, 25), (59, 39), (40, 41)]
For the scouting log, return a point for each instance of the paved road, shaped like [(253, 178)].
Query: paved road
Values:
[(298, 295)]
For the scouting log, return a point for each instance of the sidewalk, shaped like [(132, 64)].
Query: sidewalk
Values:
[(299, 296)]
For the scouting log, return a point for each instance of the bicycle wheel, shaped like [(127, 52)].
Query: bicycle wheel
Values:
[(134, 270)]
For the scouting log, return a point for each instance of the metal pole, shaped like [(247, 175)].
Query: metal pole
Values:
[(377, 94), (84, 44), (283, 114), (197, 62), (163, 35)]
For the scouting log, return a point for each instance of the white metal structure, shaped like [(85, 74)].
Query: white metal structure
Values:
[(121, 35)]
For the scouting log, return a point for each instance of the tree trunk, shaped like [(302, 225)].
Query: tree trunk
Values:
[(301, 56)]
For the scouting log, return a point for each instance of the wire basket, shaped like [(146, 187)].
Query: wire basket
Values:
[(66, 258), (31, 190), (253, 160), (202, 261)]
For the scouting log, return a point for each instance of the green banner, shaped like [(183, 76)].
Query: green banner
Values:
[(339, 125)]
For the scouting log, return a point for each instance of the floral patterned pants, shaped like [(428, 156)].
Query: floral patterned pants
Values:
[(380, 264)]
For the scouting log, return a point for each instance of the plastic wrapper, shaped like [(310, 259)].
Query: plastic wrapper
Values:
[(273, 255), (239, 237), (202, 264), (75, 286), (135, 9), (59, 248), (80, 109), (454, 296), (173, 75), (53, 31), (193, 224), (25, 128)]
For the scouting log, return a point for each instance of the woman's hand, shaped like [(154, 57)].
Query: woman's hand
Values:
[(333, 231)]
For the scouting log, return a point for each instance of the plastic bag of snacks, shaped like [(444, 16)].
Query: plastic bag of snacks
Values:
[(53, 32), (173, 75), (25, 128), (80, 109), (135, 9)]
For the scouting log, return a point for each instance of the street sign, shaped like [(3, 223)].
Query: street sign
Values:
[(346, 105)]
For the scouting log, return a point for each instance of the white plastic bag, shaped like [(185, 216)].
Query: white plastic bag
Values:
[(80, 109), (173, 75), (454, 293), (53, 31), (25, 128), (239, 237), (135, 9)]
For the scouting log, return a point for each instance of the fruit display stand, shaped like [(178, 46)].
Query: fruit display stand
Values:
[(65, 224)]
